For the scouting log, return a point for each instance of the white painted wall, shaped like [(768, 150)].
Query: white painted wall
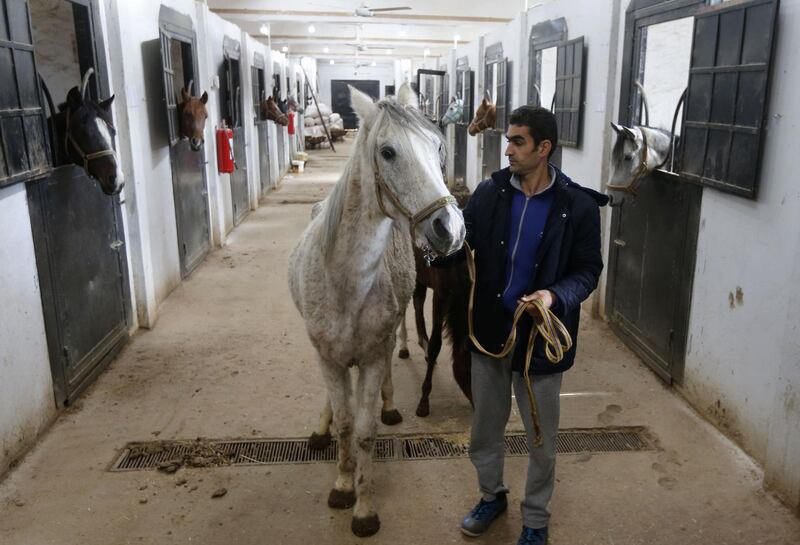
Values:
[(742, 359), (249, 46), (26, 388), (472, 50)]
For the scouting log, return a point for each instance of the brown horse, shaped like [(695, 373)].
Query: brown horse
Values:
[(485, 117), (450, 287), (269, 110), (192, 115)]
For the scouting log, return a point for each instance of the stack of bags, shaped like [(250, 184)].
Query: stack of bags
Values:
[(313, 120)]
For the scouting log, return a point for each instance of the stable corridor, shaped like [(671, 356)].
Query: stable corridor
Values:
[(229, 358)]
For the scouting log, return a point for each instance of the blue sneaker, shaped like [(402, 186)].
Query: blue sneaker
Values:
[(482, 515), (533, 536)]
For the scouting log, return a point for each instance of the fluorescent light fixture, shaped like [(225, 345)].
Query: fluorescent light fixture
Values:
[(312, 29), (402, 32), (326, 50), (426, 52), (374, 63), (331, 62), (457, 37), (388, 51), (264, 29), (285, 48)]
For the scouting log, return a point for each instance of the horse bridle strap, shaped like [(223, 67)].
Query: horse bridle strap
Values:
[(414, 219), (642, 171), (557, 339), (85, 157)]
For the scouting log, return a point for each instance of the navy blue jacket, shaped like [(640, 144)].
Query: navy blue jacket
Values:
[(568, 262)]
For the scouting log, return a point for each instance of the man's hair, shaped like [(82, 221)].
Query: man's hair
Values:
[(541, 124)]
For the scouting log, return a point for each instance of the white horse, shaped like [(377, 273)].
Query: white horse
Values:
[(455, 110), (352, 274), (636, 153)]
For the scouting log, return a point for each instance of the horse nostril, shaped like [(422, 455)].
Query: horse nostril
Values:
[(440, 229)]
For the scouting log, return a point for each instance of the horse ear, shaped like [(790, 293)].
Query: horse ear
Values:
[(204, 98), (623, 131), (106, 104), (363, 105), (74, 99), (407, 97)]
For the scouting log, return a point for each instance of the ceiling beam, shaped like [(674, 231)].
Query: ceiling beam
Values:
[(394, 16), (346, 39)]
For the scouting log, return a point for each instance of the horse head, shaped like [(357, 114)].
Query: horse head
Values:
[(485, 117), (88, 130), (269, 110), (454, 111), (192, 115), (406, 152), (636, 153)]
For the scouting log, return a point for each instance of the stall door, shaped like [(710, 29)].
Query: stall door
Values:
[(188, 172), (233, 114), (77, 229), (340, 98)]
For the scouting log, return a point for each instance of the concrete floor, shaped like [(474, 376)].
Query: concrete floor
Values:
[(229, 358)]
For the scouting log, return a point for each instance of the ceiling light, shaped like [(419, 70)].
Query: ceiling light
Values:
[(285, 48), (388, 51), (402, 32), (325, 49), (426, 52), (457, 37), (311, 29), (264, 29), (331, 62), (374, 63)]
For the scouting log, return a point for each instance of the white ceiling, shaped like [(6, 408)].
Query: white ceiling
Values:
[(429, 24)]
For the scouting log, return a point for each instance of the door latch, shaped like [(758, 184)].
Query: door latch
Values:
[(116, 245), (619, 242)]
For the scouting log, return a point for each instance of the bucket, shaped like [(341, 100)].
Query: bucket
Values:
[(298, 166)]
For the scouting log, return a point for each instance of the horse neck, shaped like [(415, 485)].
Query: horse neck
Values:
[(365, 232), (658, 147)]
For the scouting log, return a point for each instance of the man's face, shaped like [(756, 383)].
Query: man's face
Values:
[(523, 155)]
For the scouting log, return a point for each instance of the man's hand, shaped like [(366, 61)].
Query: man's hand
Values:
[(547, 297)]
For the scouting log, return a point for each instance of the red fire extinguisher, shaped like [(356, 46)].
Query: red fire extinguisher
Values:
[(225, 160), (291, 123)]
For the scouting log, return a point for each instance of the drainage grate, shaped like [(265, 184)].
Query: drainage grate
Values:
[(210, 453)]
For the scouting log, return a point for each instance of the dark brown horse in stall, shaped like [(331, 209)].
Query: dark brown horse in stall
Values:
[(82, 133), (192, 115), (269, 110)]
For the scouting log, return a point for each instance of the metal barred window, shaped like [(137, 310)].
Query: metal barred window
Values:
[(503, 95), (569, 92), (23, 123), (726, 103)]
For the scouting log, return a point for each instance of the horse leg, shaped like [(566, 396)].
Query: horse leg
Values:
[(434, 347), (337, 378), (420, 291), (370, 378), (321, 438), (389, 414), (403, 331)]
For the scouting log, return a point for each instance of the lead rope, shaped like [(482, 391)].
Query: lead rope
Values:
[(557, 340)]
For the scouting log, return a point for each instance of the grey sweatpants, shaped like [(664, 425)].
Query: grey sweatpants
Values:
[(491, 392)]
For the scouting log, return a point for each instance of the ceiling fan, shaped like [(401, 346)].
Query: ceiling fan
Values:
[(366, 11), (363, 47)]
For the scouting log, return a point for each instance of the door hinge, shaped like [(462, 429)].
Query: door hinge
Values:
[(66, 355), (116, 245)]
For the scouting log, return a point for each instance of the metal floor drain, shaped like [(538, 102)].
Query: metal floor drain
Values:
[(214, 453)]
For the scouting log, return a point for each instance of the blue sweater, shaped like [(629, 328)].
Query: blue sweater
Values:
[(525, 231)]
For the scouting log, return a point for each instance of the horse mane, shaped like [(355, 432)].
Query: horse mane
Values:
[(388, 110)]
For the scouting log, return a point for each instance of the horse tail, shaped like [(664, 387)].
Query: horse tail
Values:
[(456, 328)]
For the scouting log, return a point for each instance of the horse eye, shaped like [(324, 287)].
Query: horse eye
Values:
[(387, 153)]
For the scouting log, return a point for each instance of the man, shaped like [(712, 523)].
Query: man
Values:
[(535, 235)]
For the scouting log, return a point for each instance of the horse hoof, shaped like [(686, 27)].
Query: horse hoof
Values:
[(403, 354), (319, 442), (341, 499), (367, 526), (423, 409), (391, 418)]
